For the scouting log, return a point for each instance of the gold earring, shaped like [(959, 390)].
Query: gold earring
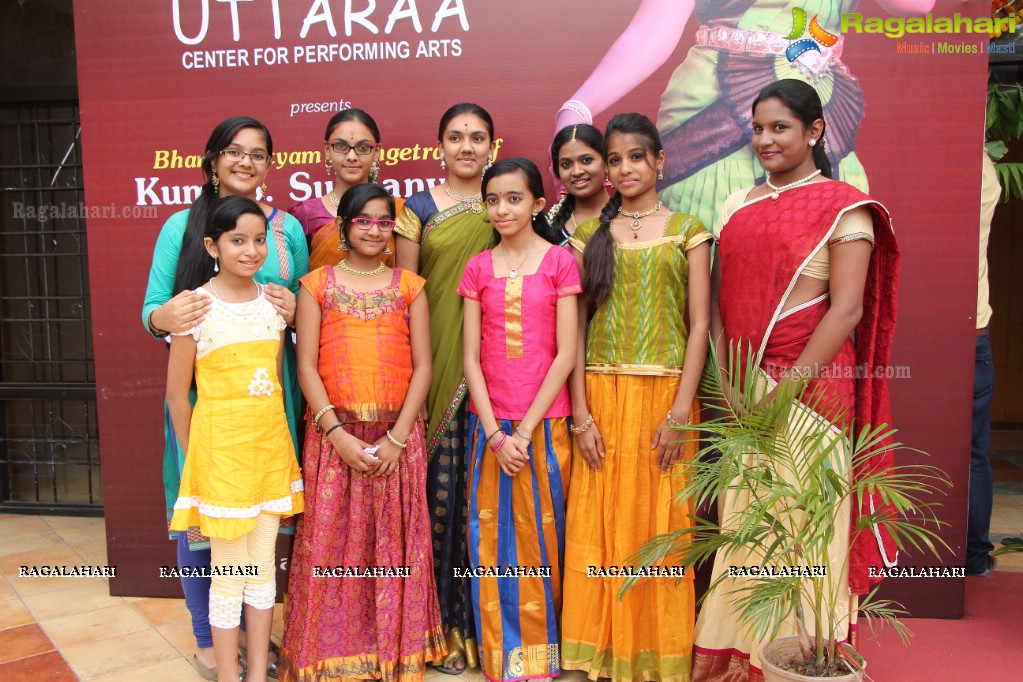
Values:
[(387, 250), (263, 189), (374, 172), (215, 181), (342, 245)]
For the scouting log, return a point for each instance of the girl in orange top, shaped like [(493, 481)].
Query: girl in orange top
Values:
[(365, 369)]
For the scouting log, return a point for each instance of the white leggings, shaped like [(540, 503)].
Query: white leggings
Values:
[(254, 549)]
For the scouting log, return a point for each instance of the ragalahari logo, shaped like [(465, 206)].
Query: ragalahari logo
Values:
[(818, 36)]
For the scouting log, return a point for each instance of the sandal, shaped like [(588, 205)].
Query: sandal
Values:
[(275, 654), (211, 673), (450, 667)]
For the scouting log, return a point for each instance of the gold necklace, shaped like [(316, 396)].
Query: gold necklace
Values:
[(475, 201), (514, 272), (636, 225), (361, 273)]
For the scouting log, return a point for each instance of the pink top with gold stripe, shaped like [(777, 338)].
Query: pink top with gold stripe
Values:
[(520, 329)]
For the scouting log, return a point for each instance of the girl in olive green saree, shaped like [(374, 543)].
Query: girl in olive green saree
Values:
[(437, 232)]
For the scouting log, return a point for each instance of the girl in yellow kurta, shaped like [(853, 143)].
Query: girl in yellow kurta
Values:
[(240, 474), (642, 368)]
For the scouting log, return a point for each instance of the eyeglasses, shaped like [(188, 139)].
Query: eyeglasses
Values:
[(366, 224), (362, 148), (236, 155)]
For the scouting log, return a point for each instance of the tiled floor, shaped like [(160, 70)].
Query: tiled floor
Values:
[(67, 629)]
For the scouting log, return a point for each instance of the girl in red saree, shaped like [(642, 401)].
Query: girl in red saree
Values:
[(806, 278)]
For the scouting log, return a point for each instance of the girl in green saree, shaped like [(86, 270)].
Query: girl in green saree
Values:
[(437, 232)]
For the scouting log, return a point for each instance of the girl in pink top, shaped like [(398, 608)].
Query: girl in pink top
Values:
[(520, 334)]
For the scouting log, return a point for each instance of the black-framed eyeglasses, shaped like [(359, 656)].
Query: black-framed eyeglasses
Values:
[(258, 158), (362, 148), (385, 225)]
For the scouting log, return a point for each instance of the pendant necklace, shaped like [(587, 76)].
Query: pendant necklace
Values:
[(475, 201), (636, 225), (778, 190), (514, 272)]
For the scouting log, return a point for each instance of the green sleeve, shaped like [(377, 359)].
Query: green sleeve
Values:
[(160, 288), (297, 248)]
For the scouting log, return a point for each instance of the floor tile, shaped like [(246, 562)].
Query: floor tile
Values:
[(22, 642), (93, 552), (50, 667), (1007, 521), (16, 543), (179, 634), (118, 654), (6, 591), (60, 555), (59, 522), (93, 625), (14, 614), (89, 529), (174, 670), (161, 611), (11, 524), (79, 599)]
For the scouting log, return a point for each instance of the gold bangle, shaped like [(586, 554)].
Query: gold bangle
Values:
[(582, 428), (396, 441), (674, 424), (316, 419)]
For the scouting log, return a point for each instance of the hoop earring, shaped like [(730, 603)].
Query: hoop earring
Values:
[(330, 170), (215, 181), (374, 172)]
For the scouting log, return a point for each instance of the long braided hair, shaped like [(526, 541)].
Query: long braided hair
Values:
[(599, 256)]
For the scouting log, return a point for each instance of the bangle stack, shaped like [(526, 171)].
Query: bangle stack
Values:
[(500, 442), (316, 419), (582, 428), (396, 441), (580, 108), (674, 424)]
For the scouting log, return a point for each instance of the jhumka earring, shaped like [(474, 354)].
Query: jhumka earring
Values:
[(374, 172), (387, 250), (215, 181), (342, 245)]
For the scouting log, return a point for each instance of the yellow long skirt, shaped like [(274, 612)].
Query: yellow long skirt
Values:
[(648, 633)]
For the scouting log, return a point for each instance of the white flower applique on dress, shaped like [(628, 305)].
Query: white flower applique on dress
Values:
[(261, 383)]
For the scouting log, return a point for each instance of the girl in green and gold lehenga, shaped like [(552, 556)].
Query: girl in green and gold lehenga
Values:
[(437, 233)]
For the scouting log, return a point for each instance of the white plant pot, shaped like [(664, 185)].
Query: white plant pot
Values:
[(784, 649)]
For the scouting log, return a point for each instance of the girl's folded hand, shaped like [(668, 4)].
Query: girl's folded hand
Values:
[(388, 455)]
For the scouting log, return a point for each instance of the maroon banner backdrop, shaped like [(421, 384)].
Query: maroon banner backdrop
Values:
[(155, 78)]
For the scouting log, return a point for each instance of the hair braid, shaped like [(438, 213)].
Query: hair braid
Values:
[(599, 259)]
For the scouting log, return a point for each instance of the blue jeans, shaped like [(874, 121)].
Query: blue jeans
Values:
[(981, 479), (197, 592)]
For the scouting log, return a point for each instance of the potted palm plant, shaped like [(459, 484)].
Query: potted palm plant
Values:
[(783, 559)]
